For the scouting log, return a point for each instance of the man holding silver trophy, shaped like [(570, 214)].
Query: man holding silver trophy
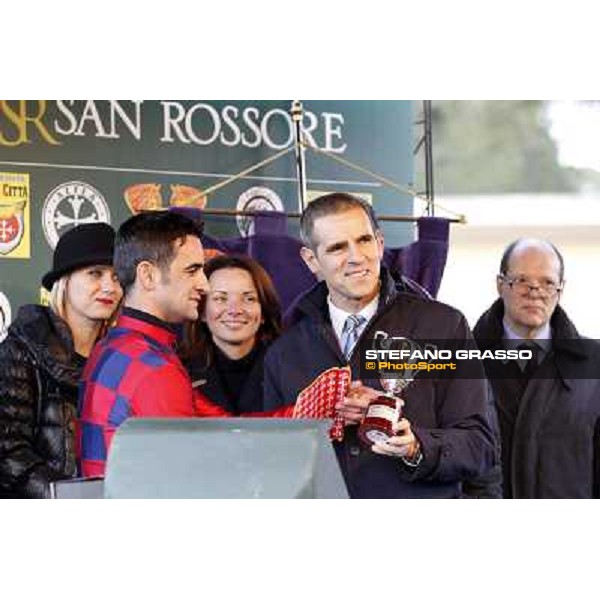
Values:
[(441, 436)]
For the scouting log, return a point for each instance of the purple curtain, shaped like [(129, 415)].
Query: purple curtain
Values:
[(422, 261)]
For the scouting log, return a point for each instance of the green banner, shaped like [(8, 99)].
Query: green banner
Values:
[(65, 162)]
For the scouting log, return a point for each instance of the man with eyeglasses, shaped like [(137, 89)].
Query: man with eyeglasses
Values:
[(548, 406)]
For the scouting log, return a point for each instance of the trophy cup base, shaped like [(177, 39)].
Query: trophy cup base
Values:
[(375, 435), (378, 425)]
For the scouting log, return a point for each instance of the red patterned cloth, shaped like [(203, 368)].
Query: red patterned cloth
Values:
[(319, 398)]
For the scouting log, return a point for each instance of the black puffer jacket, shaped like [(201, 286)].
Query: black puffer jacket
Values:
[(38, 404)]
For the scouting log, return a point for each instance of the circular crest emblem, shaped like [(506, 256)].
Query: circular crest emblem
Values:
[(5, 316), (256, 198), (71, 204)]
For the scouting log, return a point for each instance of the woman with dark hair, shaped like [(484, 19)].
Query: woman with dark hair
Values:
[(42, 358), (225, 349)]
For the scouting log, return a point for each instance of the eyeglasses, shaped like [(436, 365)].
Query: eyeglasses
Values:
[(522, 285)]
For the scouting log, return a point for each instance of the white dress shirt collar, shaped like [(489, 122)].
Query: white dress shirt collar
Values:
[(338, 316), (543, 337)]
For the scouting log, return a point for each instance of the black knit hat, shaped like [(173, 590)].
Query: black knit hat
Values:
[(84, 245)]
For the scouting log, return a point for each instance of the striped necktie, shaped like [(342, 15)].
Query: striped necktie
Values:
[(350, 333)]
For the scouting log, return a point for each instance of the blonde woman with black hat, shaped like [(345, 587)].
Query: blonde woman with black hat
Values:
[(42, 358)]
